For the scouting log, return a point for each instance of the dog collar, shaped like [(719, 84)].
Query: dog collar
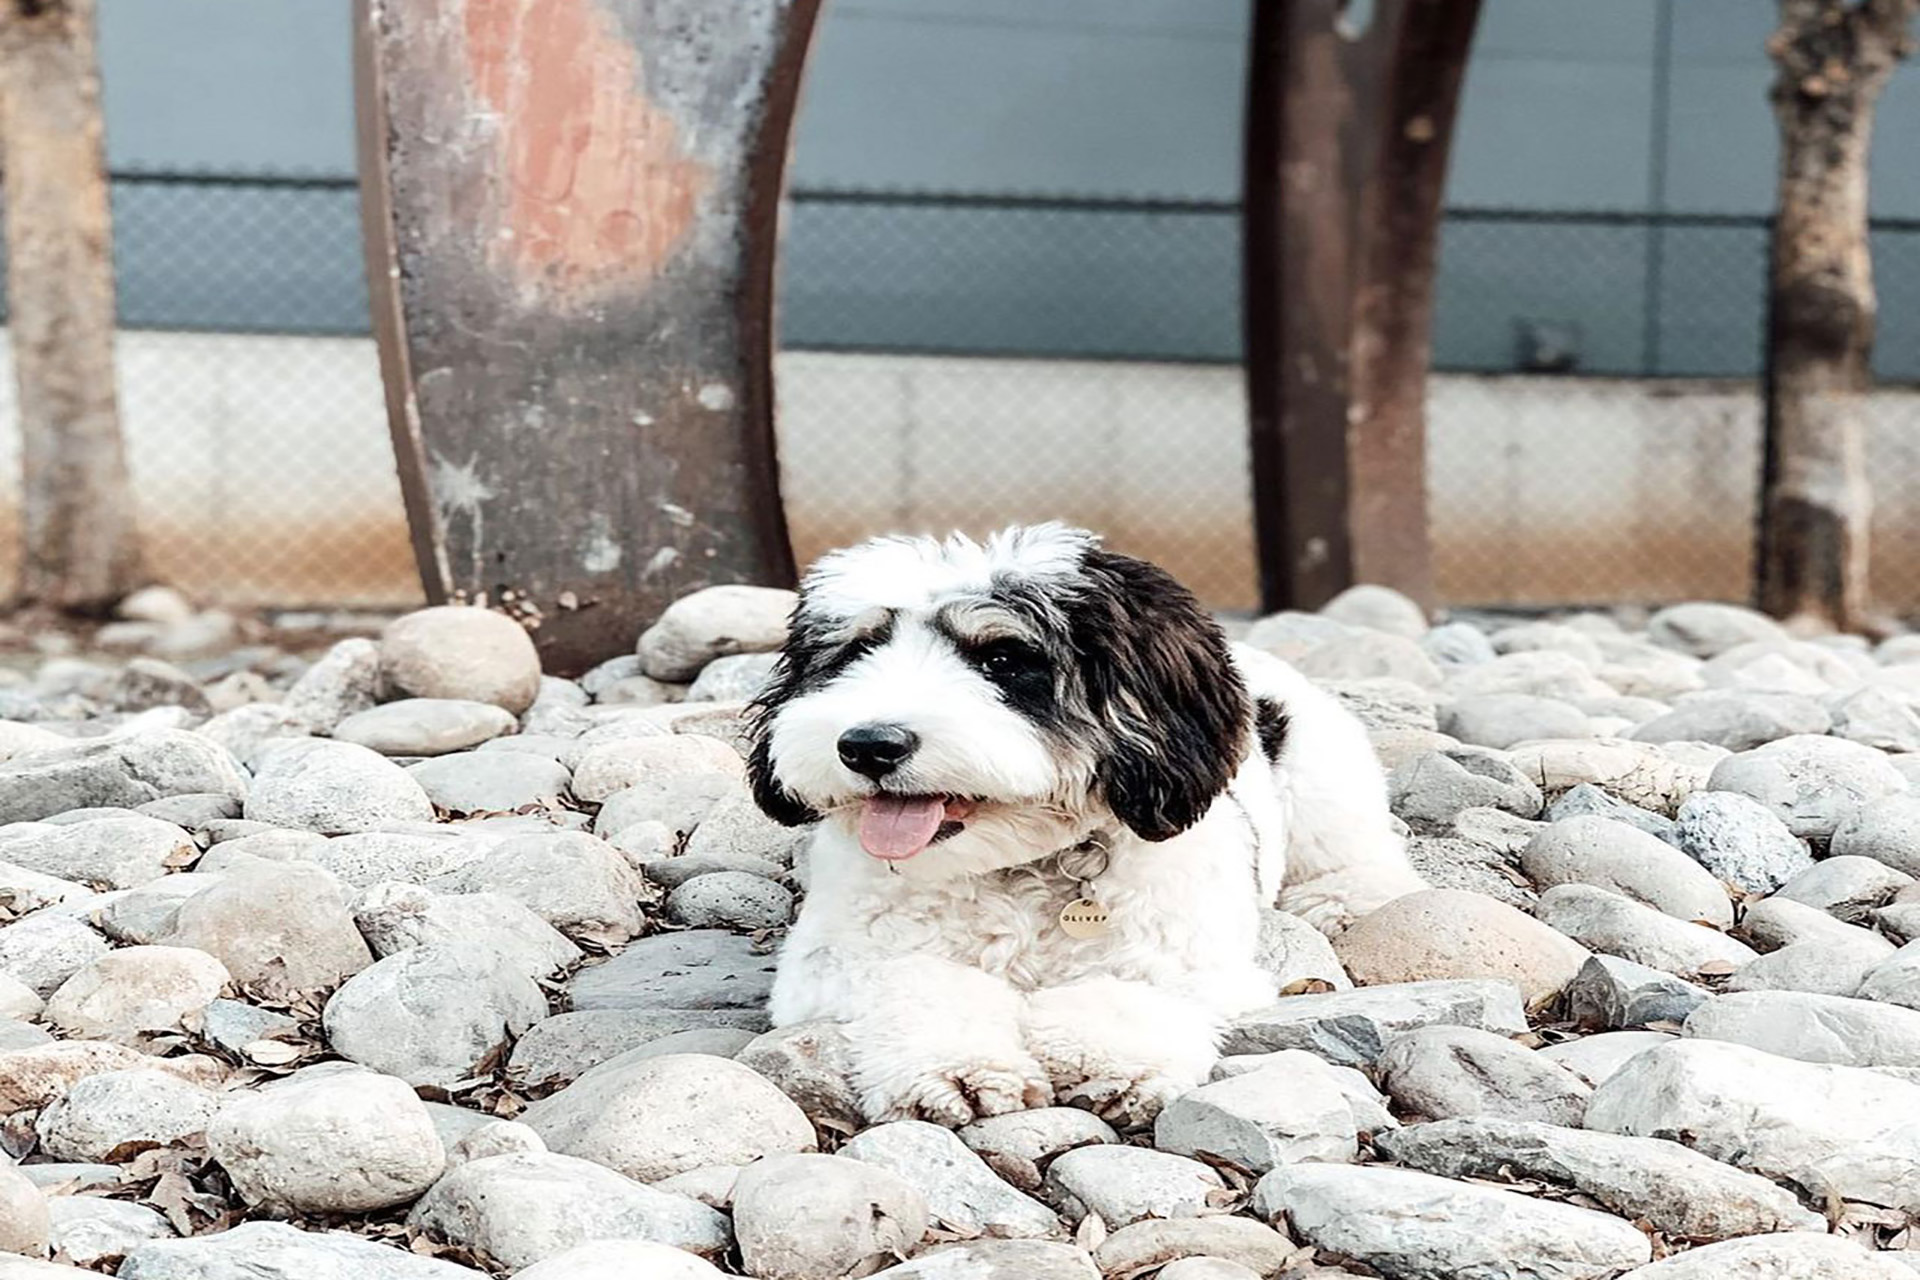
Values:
[(1085, 860)]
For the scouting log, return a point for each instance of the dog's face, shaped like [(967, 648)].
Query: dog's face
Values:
[(984, 705)]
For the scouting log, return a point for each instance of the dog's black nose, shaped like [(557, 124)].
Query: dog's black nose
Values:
[(876, 750)]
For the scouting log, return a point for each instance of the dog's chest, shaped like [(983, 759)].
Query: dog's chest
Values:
[(1009, 924)]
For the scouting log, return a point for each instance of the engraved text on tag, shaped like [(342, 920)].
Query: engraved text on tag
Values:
[(1083, 918)]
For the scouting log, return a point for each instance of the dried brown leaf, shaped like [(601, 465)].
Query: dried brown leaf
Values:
[(174, 1196)]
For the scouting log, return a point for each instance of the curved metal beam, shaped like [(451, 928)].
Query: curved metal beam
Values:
[(571, 212)]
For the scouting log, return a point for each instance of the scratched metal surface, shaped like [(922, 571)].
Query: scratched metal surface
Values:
[(572, 218)]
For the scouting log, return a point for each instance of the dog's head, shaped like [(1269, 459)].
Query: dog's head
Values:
[(996, 701)]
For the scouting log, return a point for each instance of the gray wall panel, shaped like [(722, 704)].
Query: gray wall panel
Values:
[(1706, 31), (1579, 31), (1552, 134), (1720, 154), (1495, 275), (231, 86), (1062, 281), (933, 104), (1896, 147)]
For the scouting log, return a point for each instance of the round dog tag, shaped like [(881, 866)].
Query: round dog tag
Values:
[(1083, 918)]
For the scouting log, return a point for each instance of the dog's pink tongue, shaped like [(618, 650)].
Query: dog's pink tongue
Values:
[(897, 827)]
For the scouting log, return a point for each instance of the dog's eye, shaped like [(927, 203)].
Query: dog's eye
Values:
[(1006, 658)]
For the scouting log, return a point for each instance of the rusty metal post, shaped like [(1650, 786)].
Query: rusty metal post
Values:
[(571, 211), (1345, 168)]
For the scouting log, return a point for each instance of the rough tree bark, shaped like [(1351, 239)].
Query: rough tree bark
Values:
[(1346, 158), (81, 547), (1833, 57)]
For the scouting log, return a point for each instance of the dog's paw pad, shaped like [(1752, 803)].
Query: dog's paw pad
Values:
[(973, 1091), (1126, 1104), (1330, 916)]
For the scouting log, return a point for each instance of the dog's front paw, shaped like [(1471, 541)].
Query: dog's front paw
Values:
[(1332, 902), (1120, 1049), (1330, 913), (960, 1094), (1126, 1104)]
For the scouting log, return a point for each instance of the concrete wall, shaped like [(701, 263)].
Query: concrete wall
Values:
[(264, 474)]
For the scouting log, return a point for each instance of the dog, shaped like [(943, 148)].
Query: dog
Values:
[(1051, 801)]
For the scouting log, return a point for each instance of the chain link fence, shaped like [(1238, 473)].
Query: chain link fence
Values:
[(1594, 419), (250, 396), (966, 362), (899, 408)]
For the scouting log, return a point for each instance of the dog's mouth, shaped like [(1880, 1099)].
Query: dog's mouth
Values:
[(895, 827)]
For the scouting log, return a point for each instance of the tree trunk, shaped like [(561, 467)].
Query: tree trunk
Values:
[(1346, 159), (81, 547), (1833, 58)]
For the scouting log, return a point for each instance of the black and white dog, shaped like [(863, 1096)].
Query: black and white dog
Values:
[(1052, 799)]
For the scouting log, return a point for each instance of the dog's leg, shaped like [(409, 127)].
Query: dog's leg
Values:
[(930, 1039), (1344, 856), (1121, 1049), (1332, 901)]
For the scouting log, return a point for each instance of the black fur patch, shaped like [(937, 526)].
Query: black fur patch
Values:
[(1035, 679), (1271, 722), (1023, 674), (804, 658), (830, 660), (1160, 681)]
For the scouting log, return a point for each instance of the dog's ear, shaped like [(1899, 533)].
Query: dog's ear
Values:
[(1161, 683), (789, 677)]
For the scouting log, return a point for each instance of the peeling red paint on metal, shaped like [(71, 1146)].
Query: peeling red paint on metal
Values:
[(599, 191)]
